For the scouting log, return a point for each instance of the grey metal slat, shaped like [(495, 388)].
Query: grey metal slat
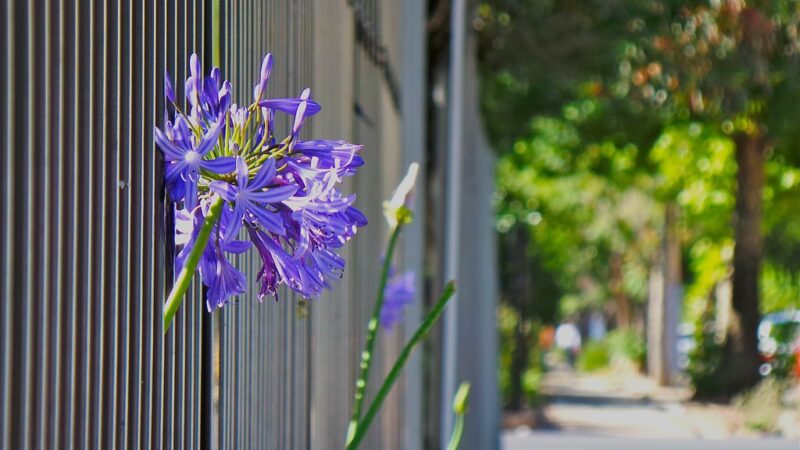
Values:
[(6, 19), (56, 256), (124, 316), (153, 31), (111, 224), (137, 278), (70, 198), (95, 210), (25, 257), (39, 241)]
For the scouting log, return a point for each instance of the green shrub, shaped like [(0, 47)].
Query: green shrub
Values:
[(531, 384), (595, 356), (704, 361), (627, 344)]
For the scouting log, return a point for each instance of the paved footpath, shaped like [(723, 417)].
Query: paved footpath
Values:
[(548, 440), (615, 412)]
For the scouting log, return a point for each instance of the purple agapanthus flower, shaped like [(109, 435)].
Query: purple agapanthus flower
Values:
[(399, 292), (284, 191), (252, 198), (185, 156)]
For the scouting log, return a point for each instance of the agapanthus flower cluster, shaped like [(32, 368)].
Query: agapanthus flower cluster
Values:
[(284, 193)]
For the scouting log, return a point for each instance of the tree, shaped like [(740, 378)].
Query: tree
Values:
[(733, 64), (635, 74)]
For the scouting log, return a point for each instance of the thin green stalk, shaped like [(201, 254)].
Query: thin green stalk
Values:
[(372, 332), (185, 277), (460, 410), (423, 330), (458, 430)]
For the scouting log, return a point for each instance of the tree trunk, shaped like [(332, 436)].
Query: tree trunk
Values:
[(666, 295), (519, 298), (740, 360), (622, 306)]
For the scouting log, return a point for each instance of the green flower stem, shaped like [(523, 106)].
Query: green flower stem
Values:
[(460, 410), (185, 277), (458, 430), (386, 387), (372, 332)]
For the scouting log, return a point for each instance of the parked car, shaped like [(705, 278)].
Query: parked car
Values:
[(685, 344), (779, 343)]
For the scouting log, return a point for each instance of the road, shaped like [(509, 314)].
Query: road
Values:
[(614, 412), (550, 440)]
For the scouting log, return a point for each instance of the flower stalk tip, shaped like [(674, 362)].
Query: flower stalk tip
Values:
[(397, 209)]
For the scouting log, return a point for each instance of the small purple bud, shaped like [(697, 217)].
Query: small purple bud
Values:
[(169, 92), (266, 70), (300, 115), (194, 67), (216, 75)]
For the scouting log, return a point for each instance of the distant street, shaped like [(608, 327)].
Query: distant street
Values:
[(549, 440), (619, 412)]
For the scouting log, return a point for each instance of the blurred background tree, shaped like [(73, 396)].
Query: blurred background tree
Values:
[(606, 112)]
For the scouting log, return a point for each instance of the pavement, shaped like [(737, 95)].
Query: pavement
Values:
[(619, 411), (549, 440)]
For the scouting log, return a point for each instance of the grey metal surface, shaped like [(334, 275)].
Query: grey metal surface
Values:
[(86, 252), (85, 255), (477, 336)]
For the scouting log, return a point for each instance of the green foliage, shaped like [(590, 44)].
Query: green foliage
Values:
[(507, 322), (704, 361), (628, 344), (716, 60), (507, 319), (780, 289), (582, 205), (605, 112), (594, 356), (531, 384)]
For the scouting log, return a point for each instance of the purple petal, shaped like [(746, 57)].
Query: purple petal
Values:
[(171, 151), (299, 117), (225, 190), (194, 67), (290, 105), (231, 223), (176, 189), (242, 173), (227, 282), (265, 174), (273, 195), (266, 70), (191, 194), (267, 219), (398, 293), (236, 246), (174, 171), (211, 91), (210, 139), (225, 97), (223, 164), (216, 75), (191, 90), (169, 92), (356, 216)]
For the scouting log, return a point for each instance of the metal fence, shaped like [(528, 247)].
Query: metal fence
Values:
[(86, 247)]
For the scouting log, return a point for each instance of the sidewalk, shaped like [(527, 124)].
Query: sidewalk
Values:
[(628, 405)]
